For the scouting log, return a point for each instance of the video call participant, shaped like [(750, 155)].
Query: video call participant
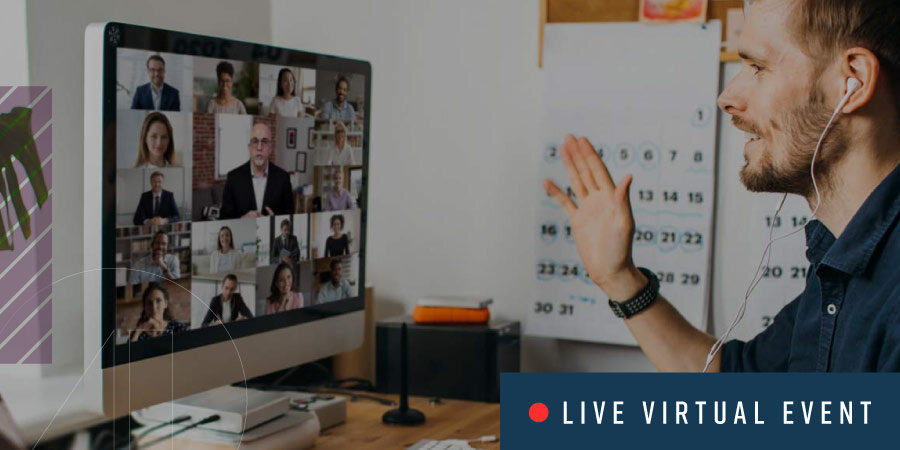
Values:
[(799, 59), (338, 199), (335, 288), (339, 153), (338, 243), (222, 259), (228, 306), (158, 265), (286, 248), (156, 95), (156, 206), (282, 296), (155, 320), (258, 187), (339, 108), (286, 102), (156, 148), (224, 102)]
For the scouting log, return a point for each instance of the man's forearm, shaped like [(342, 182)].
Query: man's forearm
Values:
[(670, 342)]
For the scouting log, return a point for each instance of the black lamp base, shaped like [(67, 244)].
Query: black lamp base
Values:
[(403, 417)]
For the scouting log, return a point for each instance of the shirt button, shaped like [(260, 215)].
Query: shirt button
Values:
[(832, 310)]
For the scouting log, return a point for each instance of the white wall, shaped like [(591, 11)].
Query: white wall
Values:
[(55, 55), (455, 124)]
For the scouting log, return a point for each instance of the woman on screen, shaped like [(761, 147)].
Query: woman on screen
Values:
[(282, 296), (338, 243), (224, 102), (223, 258), (156, 148), (286, 102), (155, 320)]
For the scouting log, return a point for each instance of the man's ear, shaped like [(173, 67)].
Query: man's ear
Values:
[(862, 64)]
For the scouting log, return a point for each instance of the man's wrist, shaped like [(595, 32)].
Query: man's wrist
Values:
[(624, 286)]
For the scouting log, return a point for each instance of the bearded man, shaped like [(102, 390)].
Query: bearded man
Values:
[(800, 58)]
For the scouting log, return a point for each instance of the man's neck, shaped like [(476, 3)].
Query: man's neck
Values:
[(155, 87), (854, 178), (336, 283), (259, 172)]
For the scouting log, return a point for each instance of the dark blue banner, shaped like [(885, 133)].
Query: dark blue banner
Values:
[(731, 411)]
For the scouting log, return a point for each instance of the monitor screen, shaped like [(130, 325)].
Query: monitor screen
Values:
[(234, 191)]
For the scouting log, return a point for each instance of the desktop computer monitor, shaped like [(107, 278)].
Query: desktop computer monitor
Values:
[(225, 211)]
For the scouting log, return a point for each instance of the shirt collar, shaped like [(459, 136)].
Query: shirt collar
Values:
[(852, 252)]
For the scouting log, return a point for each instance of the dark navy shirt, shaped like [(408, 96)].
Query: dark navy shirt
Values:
[(848, 317)]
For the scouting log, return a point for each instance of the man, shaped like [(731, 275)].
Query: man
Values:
[(338, 199), (339, 108), (339, 154), (156, 95), (285, 248), (336, 288), (258, 187), (228, 306), (798, 57), (157, 206), (158, 265)]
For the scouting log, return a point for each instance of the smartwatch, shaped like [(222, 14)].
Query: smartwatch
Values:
[(639, 302)]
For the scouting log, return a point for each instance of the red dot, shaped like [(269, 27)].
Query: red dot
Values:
[(538, 412)]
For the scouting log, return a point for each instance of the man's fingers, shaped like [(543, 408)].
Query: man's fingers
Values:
[(623, 189), (581, 164), (269, 211), (554, 191), (570, 147), (598, 168)]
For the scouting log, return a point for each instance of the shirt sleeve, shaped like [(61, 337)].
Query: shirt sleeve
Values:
[(175, 267), (768, 351)]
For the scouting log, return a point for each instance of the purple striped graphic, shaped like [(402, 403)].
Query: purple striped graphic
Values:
[(19, 266), (42, 354), (21, 96), (29, 335), (18, 311)]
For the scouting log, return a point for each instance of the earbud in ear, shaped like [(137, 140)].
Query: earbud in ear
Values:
[(852, 85)]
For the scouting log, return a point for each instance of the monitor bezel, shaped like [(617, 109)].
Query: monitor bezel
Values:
[(120, 35)]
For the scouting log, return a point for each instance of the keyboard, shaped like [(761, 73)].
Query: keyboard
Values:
[(447, 444)]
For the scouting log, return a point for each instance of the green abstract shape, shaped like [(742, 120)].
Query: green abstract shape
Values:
[(17, 140)]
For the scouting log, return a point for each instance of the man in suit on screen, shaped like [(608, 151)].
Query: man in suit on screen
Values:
[(258, 187), (157, 206), (156, 95)]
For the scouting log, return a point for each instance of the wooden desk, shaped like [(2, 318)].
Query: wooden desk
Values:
[(451, 419)]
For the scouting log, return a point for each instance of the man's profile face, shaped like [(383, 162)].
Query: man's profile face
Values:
[(778, 100), (260, 145), (157, 72), (156, 184), (341, 91), (228, 288)]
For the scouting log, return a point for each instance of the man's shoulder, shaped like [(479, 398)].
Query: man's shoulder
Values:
[(241, 171), (276, 171), (169, 88), (142, 88)]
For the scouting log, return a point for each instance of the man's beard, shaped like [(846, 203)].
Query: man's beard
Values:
[(803, 126)]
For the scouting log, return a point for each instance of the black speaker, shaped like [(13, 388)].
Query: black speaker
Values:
[(461, 361)]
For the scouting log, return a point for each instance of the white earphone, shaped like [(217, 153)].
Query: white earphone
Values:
[(852, 85)]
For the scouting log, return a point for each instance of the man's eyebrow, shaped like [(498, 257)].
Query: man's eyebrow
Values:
[(749, 55)]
